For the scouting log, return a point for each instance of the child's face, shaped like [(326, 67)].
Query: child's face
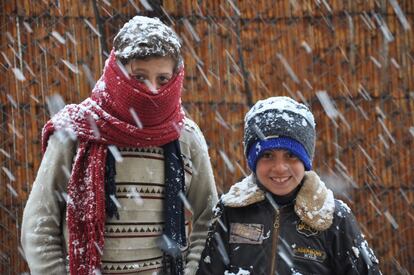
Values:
[(279, 171), (154, 72)]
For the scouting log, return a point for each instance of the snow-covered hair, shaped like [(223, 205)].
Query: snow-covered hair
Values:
[(143, 37)]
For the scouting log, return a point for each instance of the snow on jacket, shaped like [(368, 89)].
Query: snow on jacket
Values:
[(315, 234), (130, 242)]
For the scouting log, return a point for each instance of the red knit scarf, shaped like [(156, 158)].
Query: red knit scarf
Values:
[(108, 110)]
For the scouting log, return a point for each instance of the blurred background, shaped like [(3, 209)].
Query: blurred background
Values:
[(350, 61)]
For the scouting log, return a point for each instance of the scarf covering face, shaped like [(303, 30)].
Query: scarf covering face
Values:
[(101, 120)]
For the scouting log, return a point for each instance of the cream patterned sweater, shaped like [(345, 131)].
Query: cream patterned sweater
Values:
[(130, 242)]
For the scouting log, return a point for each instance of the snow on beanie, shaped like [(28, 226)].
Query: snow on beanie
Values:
[(279, 123), (143, 36)]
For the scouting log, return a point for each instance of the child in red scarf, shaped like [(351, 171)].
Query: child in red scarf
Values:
[(125, 215)]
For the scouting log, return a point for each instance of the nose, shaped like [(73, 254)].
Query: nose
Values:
[(152, 84), (280, 166), (155, 83)]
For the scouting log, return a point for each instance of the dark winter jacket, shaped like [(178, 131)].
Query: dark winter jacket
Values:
[(315, 234)]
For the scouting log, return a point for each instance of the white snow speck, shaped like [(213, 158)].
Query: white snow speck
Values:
[(58, 37), (72, 67), (215, 210), (412, 130), (240, 272), (266, 236), (356, 251), (8, 173), (327, 104), (100, 85), (294, 272), (306, 46), (227, 161), (18, 74), (304, 123), (344, 206)]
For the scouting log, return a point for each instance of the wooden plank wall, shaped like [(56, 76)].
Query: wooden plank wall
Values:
[(238, 52)]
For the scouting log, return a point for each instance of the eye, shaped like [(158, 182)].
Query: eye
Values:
[(140, 77), (267, 155), (163, 79), (290, 155)]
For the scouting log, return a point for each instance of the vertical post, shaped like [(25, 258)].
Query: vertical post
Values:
[(100, 28)]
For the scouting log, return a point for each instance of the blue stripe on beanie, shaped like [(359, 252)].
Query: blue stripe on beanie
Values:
[(293, 146)]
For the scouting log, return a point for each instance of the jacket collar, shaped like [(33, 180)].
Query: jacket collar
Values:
[(314, 204)]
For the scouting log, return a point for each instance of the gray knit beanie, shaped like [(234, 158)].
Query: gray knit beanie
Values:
[(143, 37), (279, 122)]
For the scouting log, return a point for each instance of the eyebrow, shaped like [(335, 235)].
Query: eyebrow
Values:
[(142, 70), (138, 70)]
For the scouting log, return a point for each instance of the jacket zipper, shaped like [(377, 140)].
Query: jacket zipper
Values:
[(275, 238)]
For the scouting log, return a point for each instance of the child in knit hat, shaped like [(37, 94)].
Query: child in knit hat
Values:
[(282, 219), (117, 169)]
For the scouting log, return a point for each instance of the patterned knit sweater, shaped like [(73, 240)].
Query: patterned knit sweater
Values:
[(130, 242)]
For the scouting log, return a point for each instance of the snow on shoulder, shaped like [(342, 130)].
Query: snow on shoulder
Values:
[(281, 103), (243, 193), (343, 209)]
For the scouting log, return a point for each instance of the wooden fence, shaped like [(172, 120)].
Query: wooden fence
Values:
[(236, 52)]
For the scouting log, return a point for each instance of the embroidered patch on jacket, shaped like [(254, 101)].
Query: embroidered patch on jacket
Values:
[(309, 254), (305, 229), (249, 233)]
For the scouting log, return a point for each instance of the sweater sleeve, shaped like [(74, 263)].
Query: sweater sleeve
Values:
[(41, 233), (202, 196), (351, 253)]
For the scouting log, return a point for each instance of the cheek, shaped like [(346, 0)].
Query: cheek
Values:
[(261, 169), (299, 171), (258, 167), (300, 177)]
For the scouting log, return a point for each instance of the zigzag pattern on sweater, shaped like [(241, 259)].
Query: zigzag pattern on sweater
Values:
[(153, 153), (137, 230), (147, 191), (129, 267), (146, 150)]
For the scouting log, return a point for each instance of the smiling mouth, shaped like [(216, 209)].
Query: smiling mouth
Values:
[(280, 179)]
